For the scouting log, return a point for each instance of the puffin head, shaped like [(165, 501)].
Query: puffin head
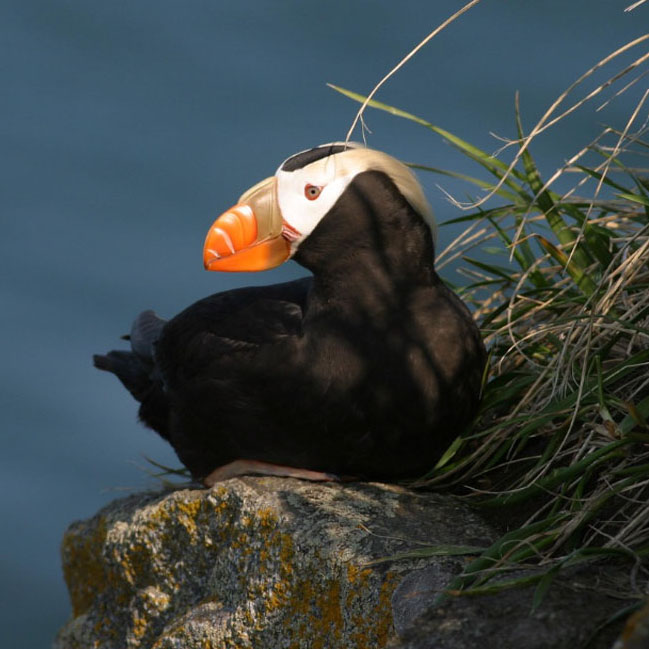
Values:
[(270, 221)]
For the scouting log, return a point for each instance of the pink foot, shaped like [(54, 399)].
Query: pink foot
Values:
[(257, 467)]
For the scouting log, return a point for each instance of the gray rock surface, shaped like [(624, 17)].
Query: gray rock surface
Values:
[(255, 562), (414, 595), (573, 614)]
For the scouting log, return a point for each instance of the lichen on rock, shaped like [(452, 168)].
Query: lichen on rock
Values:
[(255, 562)]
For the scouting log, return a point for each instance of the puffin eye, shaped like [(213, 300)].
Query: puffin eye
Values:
[(311, 192)]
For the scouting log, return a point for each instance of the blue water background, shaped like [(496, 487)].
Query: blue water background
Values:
[(126, 127)]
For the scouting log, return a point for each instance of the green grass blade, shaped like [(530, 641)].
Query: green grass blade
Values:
[(545, 203), (604, 179), (558, 476), (520, 198), (430, 551), (635, 198), (493, 165), (497, 551), (522, 254), (581, 278)]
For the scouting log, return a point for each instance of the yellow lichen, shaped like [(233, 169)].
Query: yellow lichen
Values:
[(267, 518), (138, 626), (358, 576), (134, 562), (351, 608), (186, 513), (374, 631), (84, 568)]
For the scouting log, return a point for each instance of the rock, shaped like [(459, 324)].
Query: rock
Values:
[(635, 634), (576, 611), (255, 562), (415, 594)]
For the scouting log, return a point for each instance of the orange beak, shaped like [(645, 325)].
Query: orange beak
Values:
[(248, 237)]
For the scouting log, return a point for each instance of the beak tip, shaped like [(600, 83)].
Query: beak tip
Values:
[(208, 256)]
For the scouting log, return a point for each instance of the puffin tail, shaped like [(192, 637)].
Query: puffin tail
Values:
[(138, 372), (129, 369)]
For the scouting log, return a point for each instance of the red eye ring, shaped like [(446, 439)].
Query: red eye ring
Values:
[(311, 192)]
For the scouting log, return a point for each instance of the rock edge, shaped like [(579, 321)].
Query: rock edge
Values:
[(255, 562)]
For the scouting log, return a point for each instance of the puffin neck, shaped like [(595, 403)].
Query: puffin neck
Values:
[(371, 246)]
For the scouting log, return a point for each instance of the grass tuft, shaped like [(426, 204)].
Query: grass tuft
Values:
[(558, 281)]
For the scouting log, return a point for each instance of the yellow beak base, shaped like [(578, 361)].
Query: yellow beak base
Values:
[(248, 237)]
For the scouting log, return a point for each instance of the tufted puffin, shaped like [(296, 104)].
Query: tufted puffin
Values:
[(369, 368)]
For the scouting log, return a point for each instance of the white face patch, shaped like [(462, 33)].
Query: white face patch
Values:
[(333, 174), (297, 209)]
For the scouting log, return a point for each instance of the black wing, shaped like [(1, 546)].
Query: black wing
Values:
[(214, 330)]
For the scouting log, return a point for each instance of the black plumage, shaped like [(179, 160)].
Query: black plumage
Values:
[(369, 368)]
